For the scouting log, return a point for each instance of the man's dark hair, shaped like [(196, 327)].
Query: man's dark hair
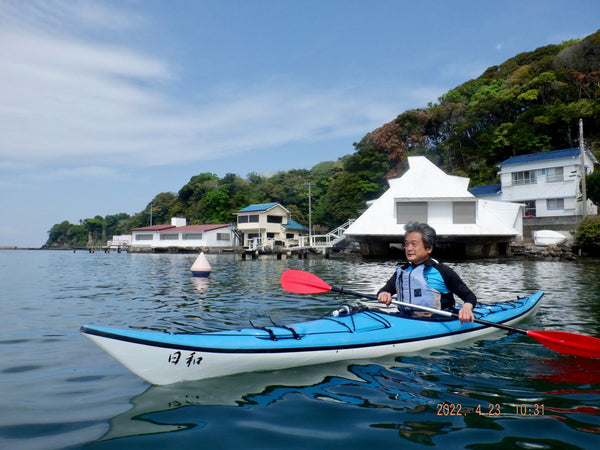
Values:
[(427, 233)]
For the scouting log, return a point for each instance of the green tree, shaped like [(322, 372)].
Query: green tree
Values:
[(77, 235), (95, 229), (58, 234), (198, 185), (345, 198), (215, 206), (588, 234), (162, 206), (116, 224), (592, 187)]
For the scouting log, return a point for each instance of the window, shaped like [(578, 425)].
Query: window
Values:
[(555, 203), (463, 212), (144, 237), (191, 236), (554, 174), (529, 210), (245, 219), (274, 219), (223, 236), (526, 177), (289, 235), (270, 235), (411, 212), (169, 237)]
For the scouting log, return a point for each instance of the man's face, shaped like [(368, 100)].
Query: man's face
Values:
[(415, 251)]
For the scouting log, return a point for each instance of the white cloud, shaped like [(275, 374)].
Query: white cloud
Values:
[(54, 14), (68, 99), (11, 184), (87, 172), (72, 99)]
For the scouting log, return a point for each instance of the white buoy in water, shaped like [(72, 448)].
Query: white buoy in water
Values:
[(201, 267)]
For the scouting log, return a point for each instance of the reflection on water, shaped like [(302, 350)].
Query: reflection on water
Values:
[(409, 396), (201, 284), (386, 385), (69, 392), (557, 369), (244, 390)]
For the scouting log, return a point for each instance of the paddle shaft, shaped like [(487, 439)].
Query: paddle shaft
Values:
[(431, 310)]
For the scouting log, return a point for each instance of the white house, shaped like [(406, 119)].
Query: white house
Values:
[(180, 235), (425, 193), (548, 184)]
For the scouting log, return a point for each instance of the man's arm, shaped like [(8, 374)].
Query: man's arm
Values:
[(385, 293), (457, 285)]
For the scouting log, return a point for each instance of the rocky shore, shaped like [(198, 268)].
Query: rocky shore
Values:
[(529, 251)]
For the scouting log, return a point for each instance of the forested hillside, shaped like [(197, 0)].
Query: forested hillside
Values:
[(530, 103)]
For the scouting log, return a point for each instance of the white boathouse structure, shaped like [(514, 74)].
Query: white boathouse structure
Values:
[(465, 226)]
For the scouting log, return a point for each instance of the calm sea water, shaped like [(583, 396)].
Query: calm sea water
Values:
[(59, 390)]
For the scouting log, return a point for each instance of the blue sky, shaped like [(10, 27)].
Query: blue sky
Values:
[(104, 104)]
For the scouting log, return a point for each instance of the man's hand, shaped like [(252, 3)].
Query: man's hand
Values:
[(466, 313), (385, 297)]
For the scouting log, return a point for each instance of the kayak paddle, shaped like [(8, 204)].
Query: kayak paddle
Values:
[(301, 282)]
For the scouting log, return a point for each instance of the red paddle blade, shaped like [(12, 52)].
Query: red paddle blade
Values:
[(568, 343), (300, 282)]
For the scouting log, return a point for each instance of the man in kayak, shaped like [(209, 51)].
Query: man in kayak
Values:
[(425, 281)]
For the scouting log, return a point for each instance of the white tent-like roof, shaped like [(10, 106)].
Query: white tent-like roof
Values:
[(424, 182)]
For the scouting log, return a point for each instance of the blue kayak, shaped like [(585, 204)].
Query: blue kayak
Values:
[(347, 333)]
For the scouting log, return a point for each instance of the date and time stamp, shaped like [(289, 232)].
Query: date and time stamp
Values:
[(490, 410)]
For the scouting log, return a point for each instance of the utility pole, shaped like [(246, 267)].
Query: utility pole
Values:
[(583, 171), (150, 214), (309, 215)]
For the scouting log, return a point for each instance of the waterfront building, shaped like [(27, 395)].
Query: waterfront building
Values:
[(549, 186), (267, 225), (466, 226), (179, 235)]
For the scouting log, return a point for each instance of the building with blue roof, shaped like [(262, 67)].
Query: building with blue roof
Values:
[(268, 225), (293, 225), (548, 184), (486, 190), (542, 156), (258, 207)]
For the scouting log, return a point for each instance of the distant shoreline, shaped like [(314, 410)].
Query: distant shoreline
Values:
[(522, 252), (15, 247)]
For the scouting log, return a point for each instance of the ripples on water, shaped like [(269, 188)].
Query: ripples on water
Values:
[(60, 390)]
